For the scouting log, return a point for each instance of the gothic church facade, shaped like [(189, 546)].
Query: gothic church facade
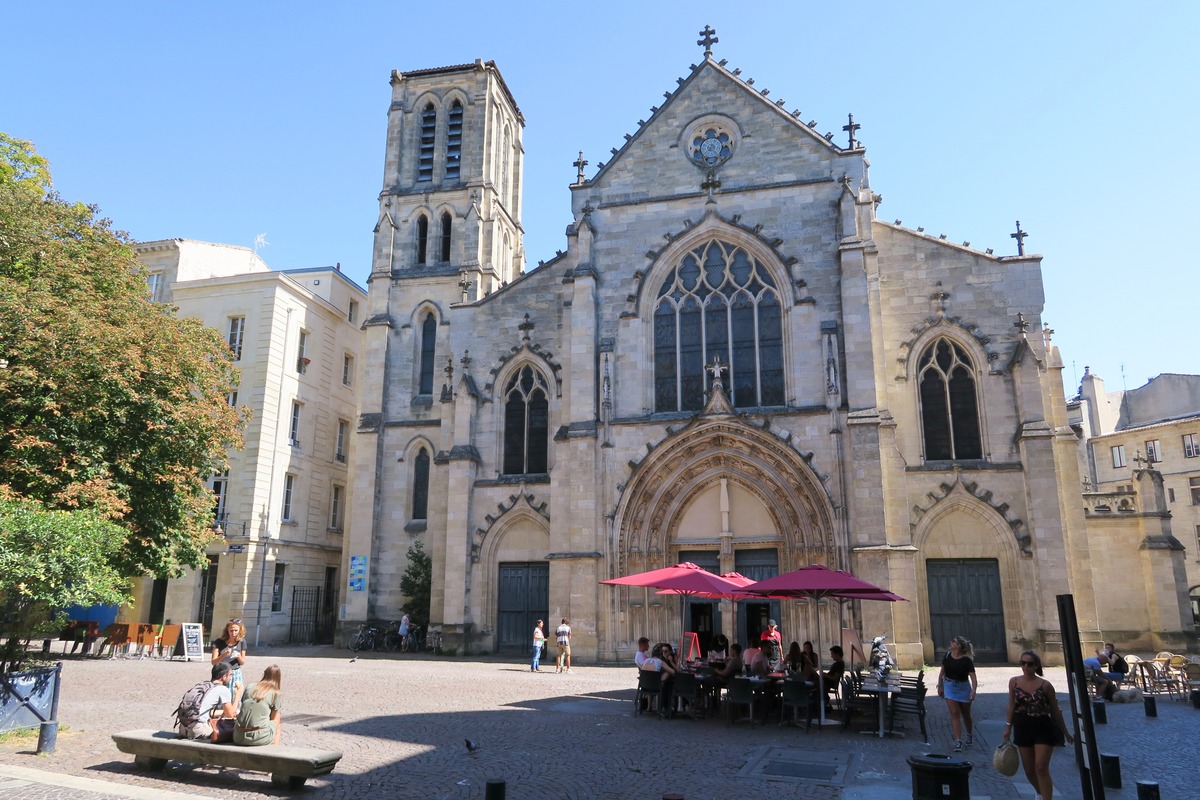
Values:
[(734, 362)]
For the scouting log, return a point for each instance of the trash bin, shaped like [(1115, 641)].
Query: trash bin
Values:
[(940, 777), (1195, 698)]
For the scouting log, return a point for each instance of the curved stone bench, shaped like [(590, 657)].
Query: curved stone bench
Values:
[(289, 766)]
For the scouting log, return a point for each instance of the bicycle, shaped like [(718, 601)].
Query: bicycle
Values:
[(366, 638), (433, 642), (391, 639), (412, 642)]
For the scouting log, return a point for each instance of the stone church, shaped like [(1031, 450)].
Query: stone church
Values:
[(734, 362)]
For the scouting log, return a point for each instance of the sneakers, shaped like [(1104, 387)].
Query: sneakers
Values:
[(970, 739), (569, 671), (957, 746)]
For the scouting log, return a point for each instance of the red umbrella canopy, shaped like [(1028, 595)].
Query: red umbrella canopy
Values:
[(685, 578), (816, 581)]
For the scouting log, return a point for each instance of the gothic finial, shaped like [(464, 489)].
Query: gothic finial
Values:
[(716, 369), (1047, 332), (852, 128), (1021, 324), (1020, 237), (708, 37), (465, 283), (579, 165), (465, 360), (449, 370), (525, 327)]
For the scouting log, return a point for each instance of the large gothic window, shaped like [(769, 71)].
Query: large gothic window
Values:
[(454, 129), (428, 341), (949, 404), (425, 154), (718, 301), (526, 423), (422, 239), (445, 236), (420, 495)]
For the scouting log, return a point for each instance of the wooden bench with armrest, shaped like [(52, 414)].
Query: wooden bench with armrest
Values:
[(289, 766)]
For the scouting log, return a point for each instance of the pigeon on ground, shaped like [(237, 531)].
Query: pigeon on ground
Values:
[(354, 659), (471, 746)]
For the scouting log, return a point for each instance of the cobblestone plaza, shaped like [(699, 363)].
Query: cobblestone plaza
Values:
[(401, 722)]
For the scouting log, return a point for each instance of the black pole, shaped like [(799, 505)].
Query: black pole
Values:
[(494, 790), (1099, 712), (1087, 756)]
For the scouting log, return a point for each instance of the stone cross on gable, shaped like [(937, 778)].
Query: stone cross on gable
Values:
[(851, 128), (716, 369), (939, 297), (579, 164), (525, 327), (449, 370), (1141, 461), (465, 360), (1021, 324), (1047, 332), (708, 37), (1020, 237)]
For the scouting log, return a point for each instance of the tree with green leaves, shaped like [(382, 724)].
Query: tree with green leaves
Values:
[(109, 402), (50, 560), (417, 582)]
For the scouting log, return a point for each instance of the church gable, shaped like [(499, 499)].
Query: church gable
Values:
[(714, 124)]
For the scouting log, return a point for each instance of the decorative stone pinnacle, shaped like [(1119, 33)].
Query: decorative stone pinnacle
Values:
[(708, 37)]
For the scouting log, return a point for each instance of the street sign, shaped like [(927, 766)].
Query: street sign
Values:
[(236, 548)]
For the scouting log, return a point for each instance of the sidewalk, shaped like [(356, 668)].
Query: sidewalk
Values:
[(401, 722)]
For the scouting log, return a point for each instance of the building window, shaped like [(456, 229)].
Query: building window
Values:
[(1118, 456), (428, 341), (949, 408), (422, 238), (1191, 448), (289, 489), (339, 451), (1171, 495), (347, 370), (232, 398), (154, 281), (220, 490), (277, 587), (237, 329), (425, 157), (1194, 487), (454, 130), (505, 147), (352, 313), (294, 426), (1153, 451), (335, 508), (302, 360), (526, 423), (420, 498), (719, 301), (445, 236)]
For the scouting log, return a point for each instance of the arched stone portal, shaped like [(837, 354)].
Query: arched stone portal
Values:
[(725, 486)]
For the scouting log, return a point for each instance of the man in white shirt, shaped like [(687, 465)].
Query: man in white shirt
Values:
[(563, 634), (643, 652)]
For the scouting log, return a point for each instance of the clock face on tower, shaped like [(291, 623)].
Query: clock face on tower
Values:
[(711, 146)]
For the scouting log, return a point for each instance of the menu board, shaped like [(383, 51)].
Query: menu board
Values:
[(191, 643)]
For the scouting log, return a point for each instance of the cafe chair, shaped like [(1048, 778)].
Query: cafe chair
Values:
[(648, 690), (911, 700), (797, 695), (853, 699), (740, 693), (687, 692)]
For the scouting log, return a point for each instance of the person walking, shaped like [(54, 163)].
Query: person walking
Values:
[(1034, 722), (563, 635), (539, 642), (957, 683)]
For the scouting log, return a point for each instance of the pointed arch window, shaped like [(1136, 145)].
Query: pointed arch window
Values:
[(454, 129), (428, 341), (445, 254), (425, 153), (719, 300), (526, 423), (505, 147), (420, 495), (949, 403), (422, 239)]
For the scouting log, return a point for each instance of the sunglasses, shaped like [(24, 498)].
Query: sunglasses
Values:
[(235, 621), (1028, 664)]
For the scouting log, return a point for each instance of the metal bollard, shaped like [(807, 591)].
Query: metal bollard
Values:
[(1151, 706), (1110, 770), (1147, 790), (1099, 712), (494, 789), (47, 737), (672, 796)]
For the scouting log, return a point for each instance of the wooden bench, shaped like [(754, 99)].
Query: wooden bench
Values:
[(289, 766)]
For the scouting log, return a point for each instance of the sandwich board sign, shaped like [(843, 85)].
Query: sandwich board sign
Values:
[(191, 642)]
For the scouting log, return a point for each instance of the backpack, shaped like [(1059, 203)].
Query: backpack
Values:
[(188, 712), (1119, 665)]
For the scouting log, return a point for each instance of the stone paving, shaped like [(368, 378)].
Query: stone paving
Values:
[(402, 722)]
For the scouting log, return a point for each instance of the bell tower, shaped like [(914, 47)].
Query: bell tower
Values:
[(451, 199)]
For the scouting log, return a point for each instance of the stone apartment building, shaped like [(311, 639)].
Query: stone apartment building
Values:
[(282, 506), (733, 362)]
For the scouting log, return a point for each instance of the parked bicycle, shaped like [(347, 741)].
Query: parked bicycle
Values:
[(414, 640), (362, 639)]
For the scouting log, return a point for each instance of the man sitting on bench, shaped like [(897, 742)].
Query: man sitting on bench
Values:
[(218, 704)]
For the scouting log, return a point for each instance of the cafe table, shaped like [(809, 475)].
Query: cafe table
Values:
[(881, 691)]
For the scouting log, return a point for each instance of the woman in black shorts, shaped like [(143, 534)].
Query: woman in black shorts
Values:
[(1034, 718)]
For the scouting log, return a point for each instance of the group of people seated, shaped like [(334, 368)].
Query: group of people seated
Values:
[(1106, 670)]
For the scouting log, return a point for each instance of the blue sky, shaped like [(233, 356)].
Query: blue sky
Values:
[(221, 121)]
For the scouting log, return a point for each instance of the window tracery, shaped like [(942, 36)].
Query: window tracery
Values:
[(949, 403), (526, 423)]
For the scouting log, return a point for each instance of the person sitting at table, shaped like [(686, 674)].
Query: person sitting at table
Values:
[(643, 652), (755, 662), (833, 677), (793, 660), (733, 666), (657, 662), (808, 662), (719, 649)]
